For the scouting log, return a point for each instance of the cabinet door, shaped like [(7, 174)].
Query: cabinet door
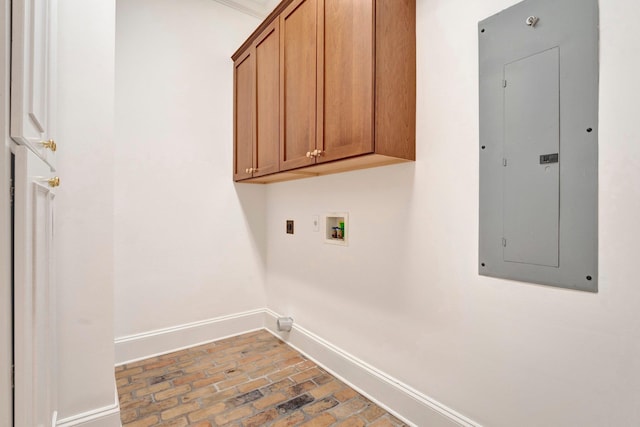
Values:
[(298, 64), (267, 144), (35, 342), (33, 82), (244, 116), (346, 78)]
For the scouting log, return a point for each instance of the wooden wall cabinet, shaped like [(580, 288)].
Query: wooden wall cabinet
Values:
[(243, 116), (256, 107), (346, 88), (298, 66)]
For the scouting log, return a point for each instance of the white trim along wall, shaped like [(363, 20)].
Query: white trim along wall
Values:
[(401, 400), (6, 349), (256, 8), (161, 341), (106, 416)]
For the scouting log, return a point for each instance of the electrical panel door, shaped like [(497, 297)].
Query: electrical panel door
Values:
[(531, 185)]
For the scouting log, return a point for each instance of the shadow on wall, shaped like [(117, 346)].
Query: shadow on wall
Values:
[(252, 198)]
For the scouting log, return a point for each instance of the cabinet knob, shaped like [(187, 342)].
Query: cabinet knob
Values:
[(50, 144), (309, 155), (54, 182), (318, 153)]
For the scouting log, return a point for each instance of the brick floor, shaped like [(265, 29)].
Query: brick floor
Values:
[(246, 381)]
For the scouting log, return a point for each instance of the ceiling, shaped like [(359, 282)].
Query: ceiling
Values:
[(258, 8)]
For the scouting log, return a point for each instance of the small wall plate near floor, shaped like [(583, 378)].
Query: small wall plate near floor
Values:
[(337, 228)]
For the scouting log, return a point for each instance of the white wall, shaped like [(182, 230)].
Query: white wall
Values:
[(405, 295), (84, 212), (188, 243)]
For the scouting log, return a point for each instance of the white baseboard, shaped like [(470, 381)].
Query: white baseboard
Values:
[(148, 344), (107, 416), (396, 397), (98, 418)]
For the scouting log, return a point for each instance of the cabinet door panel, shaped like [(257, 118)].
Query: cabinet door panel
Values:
[(298, 83), (345, 113), (33, 75), (244, 115), (35, 342), (267, 56)]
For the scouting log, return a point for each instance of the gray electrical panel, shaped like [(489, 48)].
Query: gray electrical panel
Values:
[(539, 144)]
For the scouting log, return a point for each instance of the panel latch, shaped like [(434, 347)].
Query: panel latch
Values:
[(548, 158)]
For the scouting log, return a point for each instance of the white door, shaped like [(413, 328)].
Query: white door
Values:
[(6, 347), (33, 76), (35, 346)]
